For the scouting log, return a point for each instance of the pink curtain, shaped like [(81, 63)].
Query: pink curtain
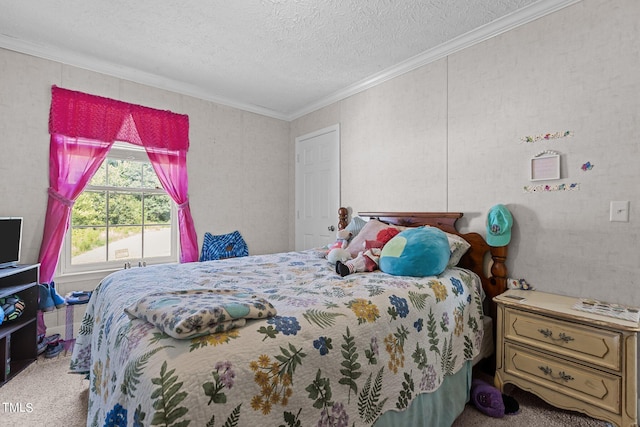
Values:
[(171, 169), (83, 127), (170, 164), (72, 163)]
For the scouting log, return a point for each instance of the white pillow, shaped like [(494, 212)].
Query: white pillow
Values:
[(458, 247)]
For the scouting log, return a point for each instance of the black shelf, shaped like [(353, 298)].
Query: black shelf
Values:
[(11, 290), (18, 337)]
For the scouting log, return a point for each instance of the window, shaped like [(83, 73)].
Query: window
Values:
[(122, 216)]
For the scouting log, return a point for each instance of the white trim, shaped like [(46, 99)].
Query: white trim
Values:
[(121, 151), (499, 26), (97, 65), (333, 180), (478, 35)]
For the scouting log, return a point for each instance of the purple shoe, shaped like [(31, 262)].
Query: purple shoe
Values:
[(487, 399)]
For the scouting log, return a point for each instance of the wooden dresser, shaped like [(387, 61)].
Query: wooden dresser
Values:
[(572, 359)]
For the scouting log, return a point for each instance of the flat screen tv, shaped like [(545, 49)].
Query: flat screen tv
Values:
[(10, 241)]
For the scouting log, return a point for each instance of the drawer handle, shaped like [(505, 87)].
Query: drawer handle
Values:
[(562, 337), (561, 376)]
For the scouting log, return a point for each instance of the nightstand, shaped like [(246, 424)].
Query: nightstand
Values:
[(572, 359)]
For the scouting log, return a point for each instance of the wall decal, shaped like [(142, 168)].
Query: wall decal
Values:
[(587, 166), (545, 166), (546, 136), (540, 188)]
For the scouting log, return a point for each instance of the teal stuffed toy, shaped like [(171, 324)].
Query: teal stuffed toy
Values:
[(417, 252)]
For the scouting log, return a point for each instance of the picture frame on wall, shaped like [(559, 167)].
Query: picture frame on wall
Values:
[(545, 166)]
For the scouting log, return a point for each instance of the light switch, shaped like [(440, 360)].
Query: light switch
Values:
[(619, 211)]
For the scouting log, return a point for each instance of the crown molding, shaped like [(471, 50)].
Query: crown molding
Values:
[(91, 63), (478, 35), (499, 26)]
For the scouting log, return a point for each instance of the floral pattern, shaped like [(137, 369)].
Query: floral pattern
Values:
[(196, 312), (339, 352)]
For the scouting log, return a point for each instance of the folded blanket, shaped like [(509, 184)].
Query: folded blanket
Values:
[(191, 313)]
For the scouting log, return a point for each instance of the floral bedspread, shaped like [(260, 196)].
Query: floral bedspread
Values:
[(340, 351)]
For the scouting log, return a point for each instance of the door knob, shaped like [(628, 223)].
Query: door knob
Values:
[(331, 228)]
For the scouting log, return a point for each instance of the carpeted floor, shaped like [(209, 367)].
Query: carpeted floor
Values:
[(534, 412), (46, 394), (56, 397)]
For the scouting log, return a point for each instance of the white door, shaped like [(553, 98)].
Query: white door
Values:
[(317, 187)]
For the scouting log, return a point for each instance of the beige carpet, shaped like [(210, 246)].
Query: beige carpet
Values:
[(534, 412), (56, 397), (46, 394)]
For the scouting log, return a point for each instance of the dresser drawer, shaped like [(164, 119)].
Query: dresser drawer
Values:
[(595, 387), (592, 345)]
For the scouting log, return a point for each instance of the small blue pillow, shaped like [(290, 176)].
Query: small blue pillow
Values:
[(223, 246), (417, 252)]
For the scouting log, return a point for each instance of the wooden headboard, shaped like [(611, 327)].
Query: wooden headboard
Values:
[(494, 281)]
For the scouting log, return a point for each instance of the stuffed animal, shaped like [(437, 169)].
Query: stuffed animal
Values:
[(338, 255), (519, 284), (417, 252), (336, 251), (367, 260), (342, 240)]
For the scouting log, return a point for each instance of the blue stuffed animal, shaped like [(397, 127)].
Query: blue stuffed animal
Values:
[(417, 252)]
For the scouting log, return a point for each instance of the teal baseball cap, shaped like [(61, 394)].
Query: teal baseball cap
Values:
[(499, 222)]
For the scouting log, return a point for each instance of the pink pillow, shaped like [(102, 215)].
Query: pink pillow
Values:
[(369, 232)]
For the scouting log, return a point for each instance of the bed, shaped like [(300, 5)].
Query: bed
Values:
[(313, 349)]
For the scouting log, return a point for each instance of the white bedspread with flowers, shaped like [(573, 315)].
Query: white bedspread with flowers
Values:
[(340, 351)]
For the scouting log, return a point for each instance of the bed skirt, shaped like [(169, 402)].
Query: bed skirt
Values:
[(437, 409)]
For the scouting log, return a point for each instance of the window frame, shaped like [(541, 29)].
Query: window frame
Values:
[(121, 151)]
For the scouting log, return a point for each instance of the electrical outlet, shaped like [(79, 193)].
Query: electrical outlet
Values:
[(619, 211)]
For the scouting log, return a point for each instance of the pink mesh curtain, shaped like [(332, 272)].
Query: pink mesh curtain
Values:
[(170, 164), (83, 128)]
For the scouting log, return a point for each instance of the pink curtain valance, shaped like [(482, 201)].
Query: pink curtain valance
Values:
[(83, 128), (81, 115)]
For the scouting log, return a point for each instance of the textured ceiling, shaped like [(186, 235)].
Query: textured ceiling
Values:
[(277, 57)]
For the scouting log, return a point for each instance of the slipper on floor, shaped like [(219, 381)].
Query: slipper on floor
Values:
[(53, 350), (44, 342), (487, 399), (511, 405)]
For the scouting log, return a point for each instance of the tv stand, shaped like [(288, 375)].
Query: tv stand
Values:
[(18, 337)]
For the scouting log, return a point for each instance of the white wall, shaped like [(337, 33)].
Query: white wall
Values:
[(447, 137), (238, 162)]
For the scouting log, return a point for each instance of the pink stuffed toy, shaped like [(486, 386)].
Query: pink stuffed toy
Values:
[(367, 260)]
